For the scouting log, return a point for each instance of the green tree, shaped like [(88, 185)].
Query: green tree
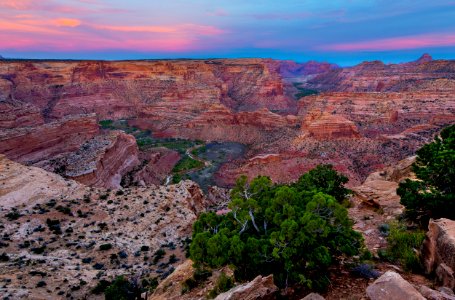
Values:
[(122, 289), (325, 179), (294, 231), (432, 195)]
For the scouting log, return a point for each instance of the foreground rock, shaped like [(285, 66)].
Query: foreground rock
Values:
[(439, 251), (436, 295), (22, 186), (313, 296), (379, 189), (171, 287), (376, 203), (392, 286), (259, 288)]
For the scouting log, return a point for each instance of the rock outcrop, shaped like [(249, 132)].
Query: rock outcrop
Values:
[(379, 189), (103, 160), (375, 202), (27, 186), (313, 296), (439, 251), (376, 76), (170, 288), (330, 127), (156, 165), (431, 294), (393, 287), (15, 114), (259, 288)]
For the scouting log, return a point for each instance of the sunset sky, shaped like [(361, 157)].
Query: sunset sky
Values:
[(345, 32)]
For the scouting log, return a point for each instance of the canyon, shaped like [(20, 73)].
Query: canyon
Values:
[(97, 153), (359, 119)]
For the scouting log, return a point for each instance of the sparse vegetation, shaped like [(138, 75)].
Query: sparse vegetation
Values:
[(100, 287), (122, 289), (54, 226), (200, 275), (159, 254), (223, 284), (404, 246), (106, 124), (303, 92), (13, 215), (105, 247)]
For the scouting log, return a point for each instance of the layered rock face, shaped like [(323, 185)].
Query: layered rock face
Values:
[(383, 113), (329, 127), (155, 166), (376, 76), (439, 251), (15, 114), (119, 89), (103, 161), (33, 144)]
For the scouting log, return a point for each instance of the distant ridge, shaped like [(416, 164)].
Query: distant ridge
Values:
[(1, 57), (425, 58)]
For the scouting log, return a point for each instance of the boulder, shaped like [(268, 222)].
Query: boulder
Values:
[(431, 294), (392, 286), (259, 288), (313, 296), (438, 251)]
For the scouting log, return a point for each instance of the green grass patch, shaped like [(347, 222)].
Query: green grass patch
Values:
[(187, 163), (305, 92), (199, 151), (404, 245), (106, 124)]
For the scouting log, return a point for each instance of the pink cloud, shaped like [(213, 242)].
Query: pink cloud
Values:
[(29, 32), (67, 22), (84, 42), (397, 43), (16, 4), (191, 28)]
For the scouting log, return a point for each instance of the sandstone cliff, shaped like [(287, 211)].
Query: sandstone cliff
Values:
[(33, 144)]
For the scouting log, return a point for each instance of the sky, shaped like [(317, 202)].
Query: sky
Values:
[(344, 32)]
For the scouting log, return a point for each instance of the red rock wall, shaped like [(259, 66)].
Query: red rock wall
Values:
[(31, 144)]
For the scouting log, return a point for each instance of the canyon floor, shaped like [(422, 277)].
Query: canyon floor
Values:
[(105, 166)]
